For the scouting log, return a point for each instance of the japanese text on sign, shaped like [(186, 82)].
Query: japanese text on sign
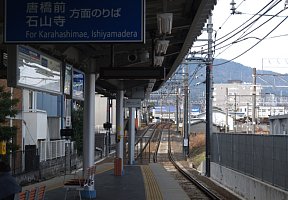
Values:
[(74, 21), (47, 14)]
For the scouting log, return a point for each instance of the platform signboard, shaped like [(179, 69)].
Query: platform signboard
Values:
[(63, 21), (78, 85), (132, 103), (32, 69), (68, 79)]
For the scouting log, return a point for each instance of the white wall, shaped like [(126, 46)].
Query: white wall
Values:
[(246, 186), (35, 125), (101, 112), (219, 118)]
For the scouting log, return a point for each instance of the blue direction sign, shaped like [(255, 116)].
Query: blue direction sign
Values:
[(52, 21)]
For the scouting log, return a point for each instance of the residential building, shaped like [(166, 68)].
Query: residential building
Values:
[(279, 125), (234, 95), (219, 118), (263, 111)]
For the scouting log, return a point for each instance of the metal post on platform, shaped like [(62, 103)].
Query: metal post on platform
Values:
[(108, 132), (131, 139), (89, 130), (120, 127)]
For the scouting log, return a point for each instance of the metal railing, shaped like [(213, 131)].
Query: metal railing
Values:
[(52, 149)]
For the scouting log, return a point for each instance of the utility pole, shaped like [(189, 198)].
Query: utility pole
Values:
[(185, 111), (177, 109), (247, 118), (254, 101), (226, 126), (235, 110), (209, 112)]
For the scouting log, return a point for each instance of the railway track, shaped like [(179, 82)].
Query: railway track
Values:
[(145, 143), (149, 143), (170, 155), (204, 190)]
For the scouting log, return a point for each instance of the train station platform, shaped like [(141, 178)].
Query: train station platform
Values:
[(138, 182)]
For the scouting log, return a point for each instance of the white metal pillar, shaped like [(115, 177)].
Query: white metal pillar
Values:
[(120, 126), (89, 129), (139, 114), (131, 140), (89, 122)]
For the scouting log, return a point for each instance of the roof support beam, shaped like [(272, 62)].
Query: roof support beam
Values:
[(128, 73)]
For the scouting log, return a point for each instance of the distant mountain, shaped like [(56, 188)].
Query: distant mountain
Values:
[(231, 71), (236, 71)]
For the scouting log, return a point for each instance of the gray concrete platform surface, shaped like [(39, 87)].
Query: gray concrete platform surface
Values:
[(129, 186), (136, 183)]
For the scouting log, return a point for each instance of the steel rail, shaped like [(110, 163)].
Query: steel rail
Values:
[(203, 188)]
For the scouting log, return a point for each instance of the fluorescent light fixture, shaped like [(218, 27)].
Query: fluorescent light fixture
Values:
[(158, 60), (162, 46), (164, 22)]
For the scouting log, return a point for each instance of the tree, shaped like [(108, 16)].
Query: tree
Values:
[(77, 124), (7, 110)]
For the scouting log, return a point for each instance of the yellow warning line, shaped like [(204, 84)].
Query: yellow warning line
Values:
[(104, 170), (152, 190)]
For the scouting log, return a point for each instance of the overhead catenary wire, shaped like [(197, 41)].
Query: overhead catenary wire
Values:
[(254, 44), (273, 16), (226, 35), (220, 27), (247, 26), (269, 9), (272, 37), (242, 37), (273, 5)]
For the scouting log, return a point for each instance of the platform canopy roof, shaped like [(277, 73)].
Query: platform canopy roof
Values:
[(130, 66)]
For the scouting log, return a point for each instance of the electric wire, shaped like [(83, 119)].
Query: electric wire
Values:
[(247, 26), (223, 24), (220, 27), (272, 37), (277, 36), (254, 44), (262, 24), (267, 15), (250, 19), (243, 36), (229, 45)]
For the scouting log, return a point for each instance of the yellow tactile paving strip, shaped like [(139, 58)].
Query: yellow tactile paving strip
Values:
[(104, 168), (152, 189)]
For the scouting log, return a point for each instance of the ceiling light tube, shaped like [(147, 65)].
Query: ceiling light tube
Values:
[(161, 46), (164, 22)]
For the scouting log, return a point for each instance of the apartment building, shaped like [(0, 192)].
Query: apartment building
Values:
[(234, 95)]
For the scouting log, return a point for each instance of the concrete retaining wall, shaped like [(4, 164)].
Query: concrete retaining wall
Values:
[(245, 186), (49, 169)]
